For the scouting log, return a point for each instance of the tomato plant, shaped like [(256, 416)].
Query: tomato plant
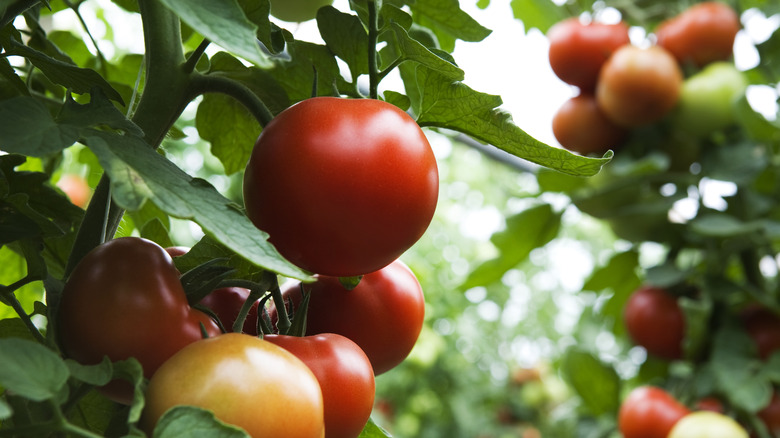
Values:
[(226, 302), (763, 326), (383, 314), (580, 126), (707, 424), (345, 376), (123, 300), (245, 381), (578, 50), (342, 186), (639, 86), (655, 321), (297, 10), (649, 412), (703, 33)]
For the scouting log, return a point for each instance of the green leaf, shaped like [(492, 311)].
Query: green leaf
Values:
[(412, 50), (619, 276), (194, 422), (297, 75), (697, 324), (453, 105), (29, 129), (737, 374), (137, 173), (346, 37), (525, 231), (31, 370), (722, 225), (448, 22), (224, 23), (98, 112), (99, 374), (372, 430), (597, 384), (539, 14), (231, 129)]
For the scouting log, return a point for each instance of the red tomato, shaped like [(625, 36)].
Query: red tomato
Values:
[(123, 300), (764, 327), (226, 303), (578, 50), (770, 415), (345, 376), (580, 126), (649, 412), (655, 321), (710, 404), (342, 186), (383, 314), (639, 86), (703, 33), (245, 381)]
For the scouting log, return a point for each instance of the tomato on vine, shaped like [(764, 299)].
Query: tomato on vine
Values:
[(342, 186), (649, 412), (701, 34), (655, 321), (580, 126), (345, 376)]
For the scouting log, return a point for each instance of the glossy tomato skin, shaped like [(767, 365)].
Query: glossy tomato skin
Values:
[(297, 11), (123, 300), (245, 381), (578, 50), (703, 33), (639, 86), (580, 126), (345, 376), (649, 412), (342, 186), (707, 424), (384, 314), (655, 321)]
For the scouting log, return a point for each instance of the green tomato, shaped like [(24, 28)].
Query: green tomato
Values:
[(707, 424), (707, 99), (297, 11)]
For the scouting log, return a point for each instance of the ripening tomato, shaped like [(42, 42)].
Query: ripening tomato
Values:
[(580, 126), (345, 376), (707, 424), (639, 86), (763, 326), (297, 11), (655, 321), (578, 50), (707, 99), (75, 188), (246, 381), (701, 34), (383, 314), (123, 300), (649, 412), (710, 404), (342, 186), (770, 415)]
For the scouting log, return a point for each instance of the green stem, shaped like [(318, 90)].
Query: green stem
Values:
[(192, 61), (100, 56), (8, 295), (202, 84), (283, 319), (373, 36)]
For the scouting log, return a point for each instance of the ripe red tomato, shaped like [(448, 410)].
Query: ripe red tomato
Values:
[(649, 412), (383, 314), (580, 126), (345, 376), (655, 321), (764, 327), (245, 381), (342, 186), (578, 50), (639, 86), (710, 404), (770, 415), (701, 34), (123, 300)]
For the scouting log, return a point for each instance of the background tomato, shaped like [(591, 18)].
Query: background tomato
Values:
[(342, 186), (580, 126), (703, 33), (75, 188), (345, 376), (639, 86), (297, 10), (763, 326), (655, 321), (770, 415), (707, 99), (649, 412), (578, 50), (123, 300), (383, 314), (245, 381), (226, 303), (707, 424)]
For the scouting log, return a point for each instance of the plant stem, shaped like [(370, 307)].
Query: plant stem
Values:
[(192, 61), (373, 35), (283, 319), (7, 292), (202, 84)]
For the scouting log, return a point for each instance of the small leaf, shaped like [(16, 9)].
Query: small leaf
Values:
[(31, 370), (97, 375), (411, 50), (539, 14), (194, 422), (597, 384), (372, 430), (448, 21), (346, 37), (29, 129), (99, 111)]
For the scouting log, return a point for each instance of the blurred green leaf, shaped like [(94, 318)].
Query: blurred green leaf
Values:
[(31, 370), (194, 422), (539, 14), (597, 384)]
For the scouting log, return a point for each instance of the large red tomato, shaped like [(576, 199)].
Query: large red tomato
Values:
[(701, 34), (638, 86), (383, 314), (649, 412), (342, 186), (245, 381), (123, 300), (578, 50), (580, 126), (345, 375), (655, 321)]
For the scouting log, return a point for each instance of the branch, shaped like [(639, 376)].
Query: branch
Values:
[(202, 84)]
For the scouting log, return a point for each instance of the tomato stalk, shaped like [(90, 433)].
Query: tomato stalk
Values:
[(373, 36)]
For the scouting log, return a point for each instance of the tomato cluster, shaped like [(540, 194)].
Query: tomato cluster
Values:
[(624, 86)]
